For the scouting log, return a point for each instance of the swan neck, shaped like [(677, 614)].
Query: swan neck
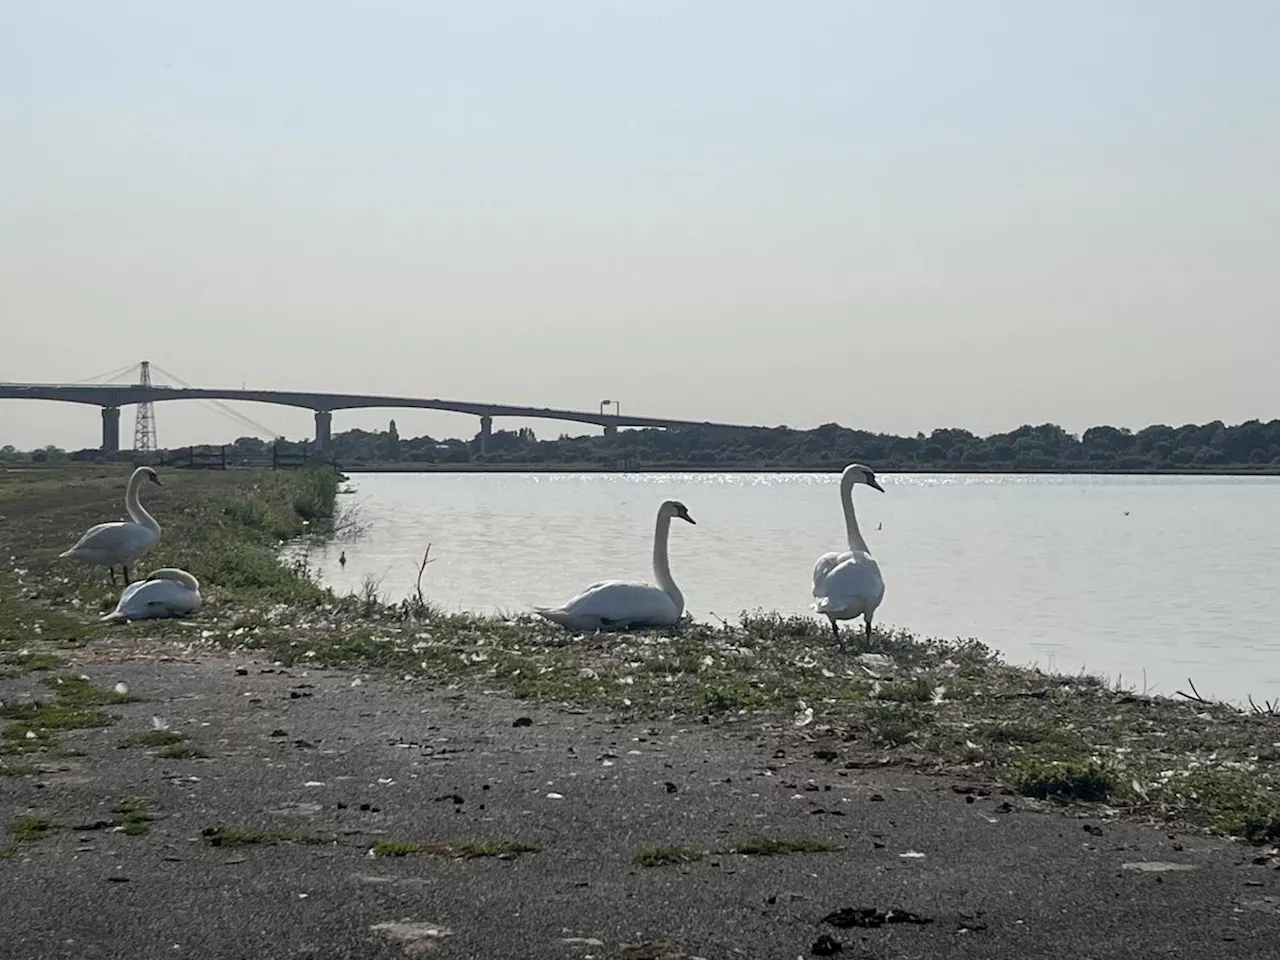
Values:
[(661, 564), (851, 519), (133, 504)]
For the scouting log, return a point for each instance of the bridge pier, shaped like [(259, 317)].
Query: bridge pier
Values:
[(486, 431), (324, 428), (110, 429), (610, 429)]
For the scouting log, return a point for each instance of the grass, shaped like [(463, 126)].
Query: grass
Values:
[(1070, 781), (133, 816), (30, 828), (665, 856), (505, 849), (25, 661), (778, 846)]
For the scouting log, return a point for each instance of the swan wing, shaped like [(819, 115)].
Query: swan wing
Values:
[(851, 586), (826, 563), (119, 539), (615, 603)]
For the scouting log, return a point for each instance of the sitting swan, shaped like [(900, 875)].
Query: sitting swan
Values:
[(167, 592), (621, 604), (849, 584), (123, 541)]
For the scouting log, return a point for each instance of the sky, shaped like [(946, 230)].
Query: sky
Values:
[(894, 216)]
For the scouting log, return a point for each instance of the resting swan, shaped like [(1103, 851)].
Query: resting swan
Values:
[(849, 584), (621, 604), (167, 592), (123, 541)]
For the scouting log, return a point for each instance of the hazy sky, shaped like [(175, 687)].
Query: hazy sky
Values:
[(891, 215)]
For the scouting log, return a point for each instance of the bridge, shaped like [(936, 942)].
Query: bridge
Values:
[(111, 397)]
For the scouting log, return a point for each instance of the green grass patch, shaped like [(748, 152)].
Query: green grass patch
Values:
[(32, 827), (1066, 779), (665, 856), (79, 692), (778, 846), (133, 816), (24, 662)]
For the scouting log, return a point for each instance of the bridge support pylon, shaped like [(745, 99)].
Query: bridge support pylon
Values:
[(610, 429), (486, 431), (324, 428), (110, 429)]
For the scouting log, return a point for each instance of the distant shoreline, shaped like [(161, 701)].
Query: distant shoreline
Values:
[(1263, 470)]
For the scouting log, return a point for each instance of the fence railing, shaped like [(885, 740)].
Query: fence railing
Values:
[(211, 457)]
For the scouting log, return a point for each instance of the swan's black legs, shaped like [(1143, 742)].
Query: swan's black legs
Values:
[(868, 621), (835, 631), (125, 568), (112, 570)]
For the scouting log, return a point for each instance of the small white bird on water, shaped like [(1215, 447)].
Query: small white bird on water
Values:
[(621, 604), (167, 592), (849, 584), (120, 543)]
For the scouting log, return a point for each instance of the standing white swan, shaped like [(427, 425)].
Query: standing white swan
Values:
[(849, 584), (167, 592), (121, 542), (622, 604)]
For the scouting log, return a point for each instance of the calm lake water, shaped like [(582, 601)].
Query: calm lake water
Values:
[(1176, 576)]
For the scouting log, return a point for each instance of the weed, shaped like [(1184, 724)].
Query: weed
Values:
[(665, 856), (79, 692), (133, 816), (1069, 780), (27, 662), (894, 724), (917, 690), (32, 827)]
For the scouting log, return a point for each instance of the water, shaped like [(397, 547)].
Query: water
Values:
[(1049, 570)]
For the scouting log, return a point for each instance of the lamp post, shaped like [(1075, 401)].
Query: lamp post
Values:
[(605, 403)]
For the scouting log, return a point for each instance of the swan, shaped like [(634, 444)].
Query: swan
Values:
[(849, 584), (123, 541), (621, 604), (167, 592)]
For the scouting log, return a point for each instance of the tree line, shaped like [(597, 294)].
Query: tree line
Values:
[(1048, 447)]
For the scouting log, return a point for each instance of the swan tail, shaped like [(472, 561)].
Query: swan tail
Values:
[(556, 615)]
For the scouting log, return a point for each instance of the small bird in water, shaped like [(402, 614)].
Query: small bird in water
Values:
[(342, 560)]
